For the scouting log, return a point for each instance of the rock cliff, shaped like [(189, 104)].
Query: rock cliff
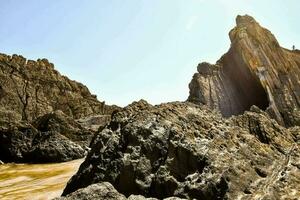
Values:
[(255, 71), (44, 116), (188, 151), (30, 89)]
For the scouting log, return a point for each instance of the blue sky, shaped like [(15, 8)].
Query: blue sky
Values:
[(125, 50)]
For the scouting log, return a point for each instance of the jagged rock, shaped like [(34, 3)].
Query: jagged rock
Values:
[(9, 116), (255, 71), (34, 88), (188, 151), (94, 122), (21, 142), (61, 123), (295, 133), (34, 92)]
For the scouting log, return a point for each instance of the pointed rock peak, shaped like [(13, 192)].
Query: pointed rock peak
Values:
[(255, 71), (242, 20)]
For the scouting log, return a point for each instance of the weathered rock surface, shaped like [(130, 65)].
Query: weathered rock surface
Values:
[(255, 71), (21, 142), (101, 191), (104, 191), (189, 151), (94, 122), (46, 116), (54, 137), (30, 89), (61, 123)]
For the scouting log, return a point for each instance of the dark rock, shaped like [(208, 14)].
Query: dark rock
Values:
[(61, 123), (38, 107), (188, 151), (21, 142), (255, 71)]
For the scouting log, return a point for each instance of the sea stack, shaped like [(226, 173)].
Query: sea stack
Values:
[(255, 71)]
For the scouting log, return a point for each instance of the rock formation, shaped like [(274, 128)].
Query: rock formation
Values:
[(30, 89), (21, 142), (66, 126), (44, 116), (188, 151), (255, 71), (104, 191)]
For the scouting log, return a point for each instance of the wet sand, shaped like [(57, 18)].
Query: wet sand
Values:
[(35, 181)]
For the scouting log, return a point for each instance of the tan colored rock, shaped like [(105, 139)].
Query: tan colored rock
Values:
[(34, 88), (255, 71)]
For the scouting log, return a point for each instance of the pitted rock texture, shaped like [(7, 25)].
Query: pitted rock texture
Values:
[(30, 89), (94, 122), (63, 124), (255, 71), (54, 137), (22, 143), (188, 151)]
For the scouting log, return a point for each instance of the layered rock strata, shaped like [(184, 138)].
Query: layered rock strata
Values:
[(255, 71)]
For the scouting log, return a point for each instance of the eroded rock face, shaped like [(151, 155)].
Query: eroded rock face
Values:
[(31, 89), (188, 151), (255, 71), (46, 117), (63, 124), (21, 142)]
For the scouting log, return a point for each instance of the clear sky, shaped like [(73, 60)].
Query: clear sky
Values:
[(125, 50)]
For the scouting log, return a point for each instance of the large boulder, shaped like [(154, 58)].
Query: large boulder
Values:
[(100, 191), (255, 71), (21, 142), (61, 123), (189, 151)]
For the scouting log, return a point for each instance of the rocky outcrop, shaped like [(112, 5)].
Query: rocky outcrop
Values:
[(54, 137), (46, 117), (188, 151), (30, 89), (255, 71), (94, 122), (104, 191), (61, 123), (21, 142)]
